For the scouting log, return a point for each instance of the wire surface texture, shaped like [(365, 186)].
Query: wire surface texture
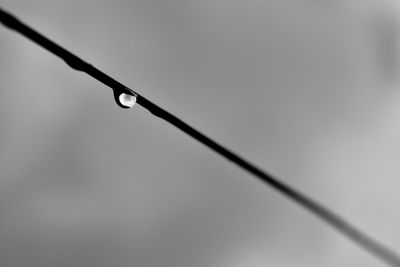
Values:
[(362, 239)]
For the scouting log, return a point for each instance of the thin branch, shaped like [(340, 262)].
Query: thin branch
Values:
[(341, 225)]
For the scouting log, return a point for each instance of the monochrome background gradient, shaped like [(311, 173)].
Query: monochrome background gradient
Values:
[(308, 90)]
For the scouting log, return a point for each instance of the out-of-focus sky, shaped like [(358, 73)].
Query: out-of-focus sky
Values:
[(308, 90)]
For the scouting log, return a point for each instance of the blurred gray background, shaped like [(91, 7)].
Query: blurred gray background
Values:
[(308, 90)]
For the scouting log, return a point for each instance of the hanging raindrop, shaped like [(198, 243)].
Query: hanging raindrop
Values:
[(125, 99)]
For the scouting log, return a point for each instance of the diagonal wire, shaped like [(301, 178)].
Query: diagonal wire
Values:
[(341, 225)]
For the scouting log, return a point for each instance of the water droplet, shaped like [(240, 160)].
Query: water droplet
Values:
[(127, 100)]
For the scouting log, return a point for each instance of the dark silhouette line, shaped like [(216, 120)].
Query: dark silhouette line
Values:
[(362, 239)]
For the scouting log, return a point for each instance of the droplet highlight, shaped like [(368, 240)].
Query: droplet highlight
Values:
[(127, 100)]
